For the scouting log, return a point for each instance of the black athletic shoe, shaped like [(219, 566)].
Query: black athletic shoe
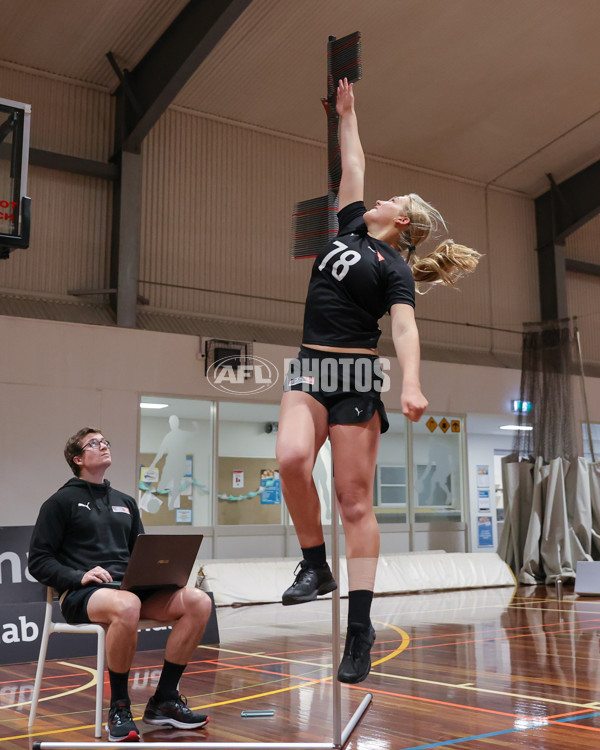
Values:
[(309, 583), (174, 713), (356, 662), (120, 724)]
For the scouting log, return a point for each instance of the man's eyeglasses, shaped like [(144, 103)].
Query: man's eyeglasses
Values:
[(96, 444)]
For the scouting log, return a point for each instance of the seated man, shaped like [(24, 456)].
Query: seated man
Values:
[(83, 538)]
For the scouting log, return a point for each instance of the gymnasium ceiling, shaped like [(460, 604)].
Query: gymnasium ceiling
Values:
[(494, 91)]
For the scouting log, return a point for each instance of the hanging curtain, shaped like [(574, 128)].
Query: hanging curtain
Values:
[(551, 495)]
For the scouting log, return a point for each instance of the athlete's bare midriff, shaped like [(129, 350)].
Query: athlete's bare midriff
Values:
[(340, 349)]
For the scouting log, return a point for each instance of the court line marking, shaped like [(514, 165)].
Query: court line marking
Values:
[(544, 725), (445, 743), (405, 640), (489, 691), (207, 705), (78, 689), (262, 656), (308, 681), (438, 702), (474, 688), (402, 647)]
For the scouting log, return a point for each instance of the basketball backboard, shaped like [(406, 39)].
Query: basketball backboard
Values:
[(14, 161)]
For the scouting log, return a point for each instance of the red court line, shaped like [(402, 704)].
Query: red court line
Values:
[(31, 679), (46, 689), (501, 629), (532, 630), (508, 638), (444, 703), (381, 651), (219, 666)]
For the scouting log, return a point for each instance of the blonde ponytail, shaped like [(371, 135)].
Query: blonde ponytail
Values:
[(448, 262), (445, 265)]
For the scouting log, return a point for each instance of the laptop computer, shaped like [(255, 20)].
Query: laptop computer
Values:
[(159, 561), (587, 579)]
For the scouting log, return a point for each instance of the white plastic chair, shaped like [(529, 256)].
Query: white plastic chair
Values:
[(61, 627)]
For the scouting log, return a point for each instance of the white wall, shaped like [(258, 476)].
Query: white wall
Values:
[(200, 257), (56, 377)]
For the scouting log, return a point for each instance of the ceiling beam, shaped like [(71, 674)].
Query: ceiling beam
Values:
[(64, 163), (568, 205), (582, 266), (559, 212), (170, 63)]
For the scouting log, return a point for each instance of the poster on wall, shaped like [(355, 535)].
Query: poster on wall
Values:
[(183, 515), (483, 501), (148, 476), (238, 479), (483, 475), (270, 486), (485, 531)]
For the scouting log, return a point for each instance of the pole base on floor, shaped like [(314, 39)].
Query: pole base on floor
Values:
[(350, 726)]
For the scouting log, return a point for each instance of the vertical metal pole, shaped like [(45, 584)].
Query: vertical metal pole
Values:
[(410, 486), (465, 503), (214, 480), (585, 402), (335, 618)]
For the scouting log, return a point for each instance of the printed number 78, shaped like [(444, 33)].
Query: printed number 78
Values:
[(342, 265)]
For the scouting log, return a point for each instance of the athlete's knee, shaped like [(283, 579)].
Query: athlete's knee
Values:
[(355, 504), (294, 462)]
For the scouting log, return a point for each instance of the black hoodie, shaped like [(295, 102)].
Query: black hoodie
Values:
[(81, 526)]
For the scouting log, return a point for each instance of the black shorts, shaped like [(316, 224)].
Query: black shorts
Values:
[(73, 604), (348, 385)]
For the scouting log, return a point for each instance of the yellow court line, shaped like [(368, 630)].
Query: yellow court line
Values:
[(401, 647), (194, 708), (403, 644), (52, 697)]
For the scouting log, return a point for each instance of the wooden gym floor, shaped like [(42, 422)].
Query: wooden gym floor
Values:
[(464, 669)]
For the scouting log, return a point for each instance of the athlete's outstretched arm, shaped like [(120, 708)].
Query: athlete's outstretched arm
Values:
[(406, 343), (352, 184)]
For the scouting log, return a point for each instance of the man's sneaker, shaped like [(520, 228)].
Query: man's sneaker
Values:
[(174, 713), (120, 724), (310, 583), (356, 662)]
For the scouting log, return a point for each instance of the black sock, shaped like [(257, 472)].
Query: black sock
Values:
[(359, 606), (169, 679), (118, 686), (316, 557)]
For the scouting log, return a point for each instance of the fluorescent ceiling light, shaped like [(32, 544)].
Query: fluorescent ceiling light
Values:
[(516, 427), (145, 405)]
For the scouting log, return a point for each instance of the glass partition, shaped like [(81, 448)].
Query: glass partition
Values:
[(248, 486), (390, 493), (176, 466), (438, 469), (175, 461)]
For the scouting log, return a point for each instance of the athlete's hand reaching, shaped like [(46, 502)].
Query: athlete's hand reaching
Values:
[(344, 104)]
